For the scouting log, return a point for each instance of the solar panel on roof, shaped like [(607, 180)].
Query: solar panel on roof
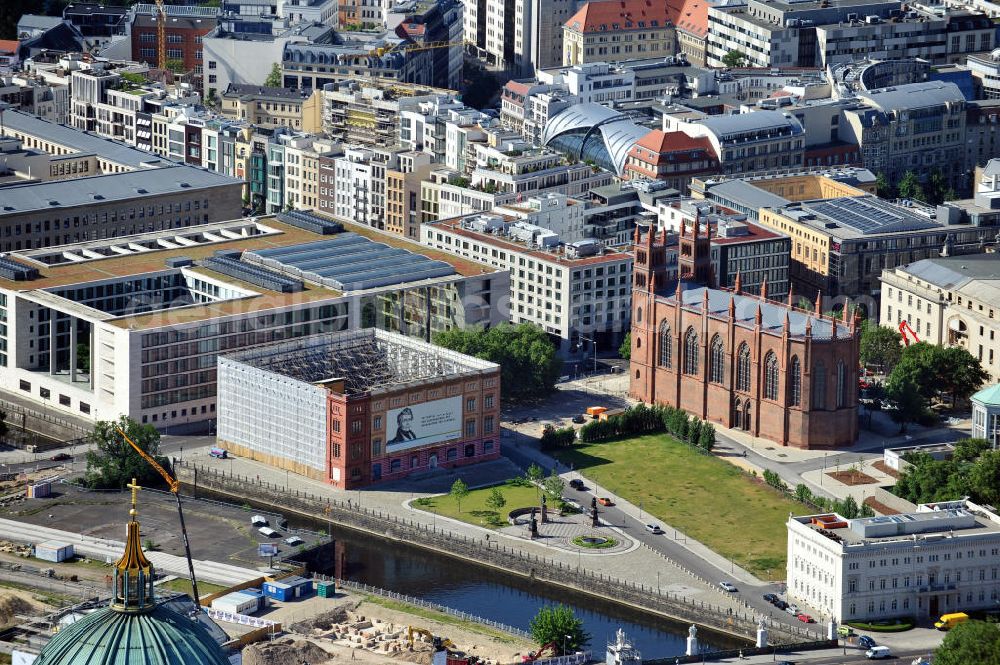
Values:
[(310, 222), (350, 262), (11, 269), (252, 274)]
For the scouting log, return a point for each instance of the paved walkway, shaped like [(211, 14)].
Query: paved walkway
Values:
[(639, 565), (103, 549)]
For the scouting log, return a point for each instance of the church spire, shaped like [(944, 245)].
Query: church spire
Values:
[(133, 591)]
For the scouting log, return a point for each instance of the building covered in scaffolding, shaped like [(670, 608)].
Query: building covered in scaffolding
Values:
[(360, 407)]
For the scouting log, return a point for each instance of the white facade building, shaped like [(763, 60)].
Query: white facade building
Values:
[(564, 288), (942, 558)]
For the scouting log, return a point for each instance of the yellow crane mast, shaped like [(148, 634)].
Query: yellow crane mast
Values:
[(175, 490)]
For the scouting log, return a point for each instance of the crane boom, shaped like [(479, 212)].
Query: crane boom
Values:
[(161, 35), (904, 328), (174, 486)]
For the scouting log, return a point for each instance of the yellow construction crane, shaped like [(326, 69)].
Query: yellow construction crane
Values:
[(161, 38), (175, 490)]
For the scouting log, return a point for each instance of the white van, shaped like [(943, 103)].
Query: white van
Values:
[(268, 532), (878, 653)]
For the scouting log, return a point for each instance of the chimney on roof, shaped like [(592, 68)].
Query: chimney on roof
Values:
[(791, 295), (819, 303)]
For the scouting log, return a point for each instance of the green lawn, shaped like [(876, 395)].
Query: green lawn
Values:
[(474, 508), (703, 496)]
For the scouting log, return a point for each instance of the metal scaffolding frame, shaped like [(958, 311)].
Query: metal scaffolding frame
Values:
[(367, 360)]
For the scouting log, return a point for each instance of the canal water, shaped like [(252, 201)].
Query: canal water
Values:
[(509, 599)]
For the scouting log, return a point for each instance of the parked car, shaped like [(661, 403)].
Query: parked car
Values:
[(844, 630), (654, 529), (805, 618), (61, 457), (780, 604), (866, 642), (258, 520), (268, 532), (578, 419), (878, 653), (728, 586), (605, 501), (793, 610), (293, 541), (770, 597), (576, 484)]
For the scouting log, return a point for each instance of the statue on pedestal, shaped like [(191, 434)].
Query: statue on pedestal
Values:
[(545, 511), (534, 524)]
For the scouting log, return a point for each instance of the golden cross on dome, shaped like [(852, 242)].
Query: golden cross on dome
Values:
[(134, 486)]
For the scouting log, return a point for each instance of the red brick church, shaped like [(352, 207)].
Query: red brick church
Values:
[(742, 361)]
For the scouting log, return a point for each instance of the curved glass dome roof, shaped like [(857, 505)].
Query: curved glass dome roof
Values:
[(595, 133)]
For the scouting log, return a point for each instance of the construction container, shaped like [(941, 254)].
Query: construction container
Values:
[(54, 551), (278, 591), (257, 594), (326, 589), (237, 603), (40, 490)]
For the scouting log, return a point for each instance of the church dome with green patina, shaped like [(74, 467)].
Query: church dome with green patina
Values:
[(133, 630)]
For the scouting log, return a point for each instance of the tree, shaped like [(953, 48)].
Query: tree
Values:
[(908, 403), (880, 346), (984, 478), (459, 490), (803, 493), (559, 625), (554, 485), (175, 65), (959, 373), (625, 350), (969, 450), (10, 14), (529, 366), (970, 642), (849, 508), (535, 473), (274, 79), (866, 511), (694, 432), (496, 500), (910, 187), (883, 187), (734, 59), (113, 463), (706, 441)]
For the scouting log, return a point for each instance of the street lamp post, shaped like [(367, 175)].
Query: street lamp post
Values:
[(565, 637), (583, 337)]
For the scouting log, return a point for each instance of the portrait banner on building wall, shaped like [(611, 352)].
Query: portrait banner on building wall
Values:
[(423, 424)]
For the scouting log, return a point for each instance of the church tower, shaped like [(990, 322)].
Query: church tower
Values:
[(694, 253)]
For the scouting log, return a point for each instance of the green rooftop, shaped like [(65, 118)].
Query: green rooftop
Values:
[(988, 396)]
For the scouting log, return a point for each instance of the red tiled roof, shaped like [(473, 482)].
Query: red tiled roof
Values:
[(694, 17), (659, 141), (626, 13), (9, 45), (518, 88)]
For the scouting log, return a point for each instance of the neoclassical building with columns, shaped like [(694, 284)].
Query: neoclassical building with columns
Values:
[(744, 362)]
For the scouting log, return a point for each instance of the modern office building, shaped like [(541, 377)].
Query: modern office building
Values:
[(776, 371), (133, 324), (570, 290), (356, 408), (939, 559)]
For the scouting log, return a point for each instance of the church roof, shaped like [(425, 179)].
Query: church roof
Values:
[(772, 313), (109, 637)]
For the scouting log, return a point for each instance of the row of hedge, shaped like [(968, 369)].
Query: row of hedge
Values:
[(642, 419)]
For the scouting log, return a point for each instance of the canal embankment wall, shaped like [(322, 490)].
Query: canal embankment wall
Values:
[(489, 553)]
